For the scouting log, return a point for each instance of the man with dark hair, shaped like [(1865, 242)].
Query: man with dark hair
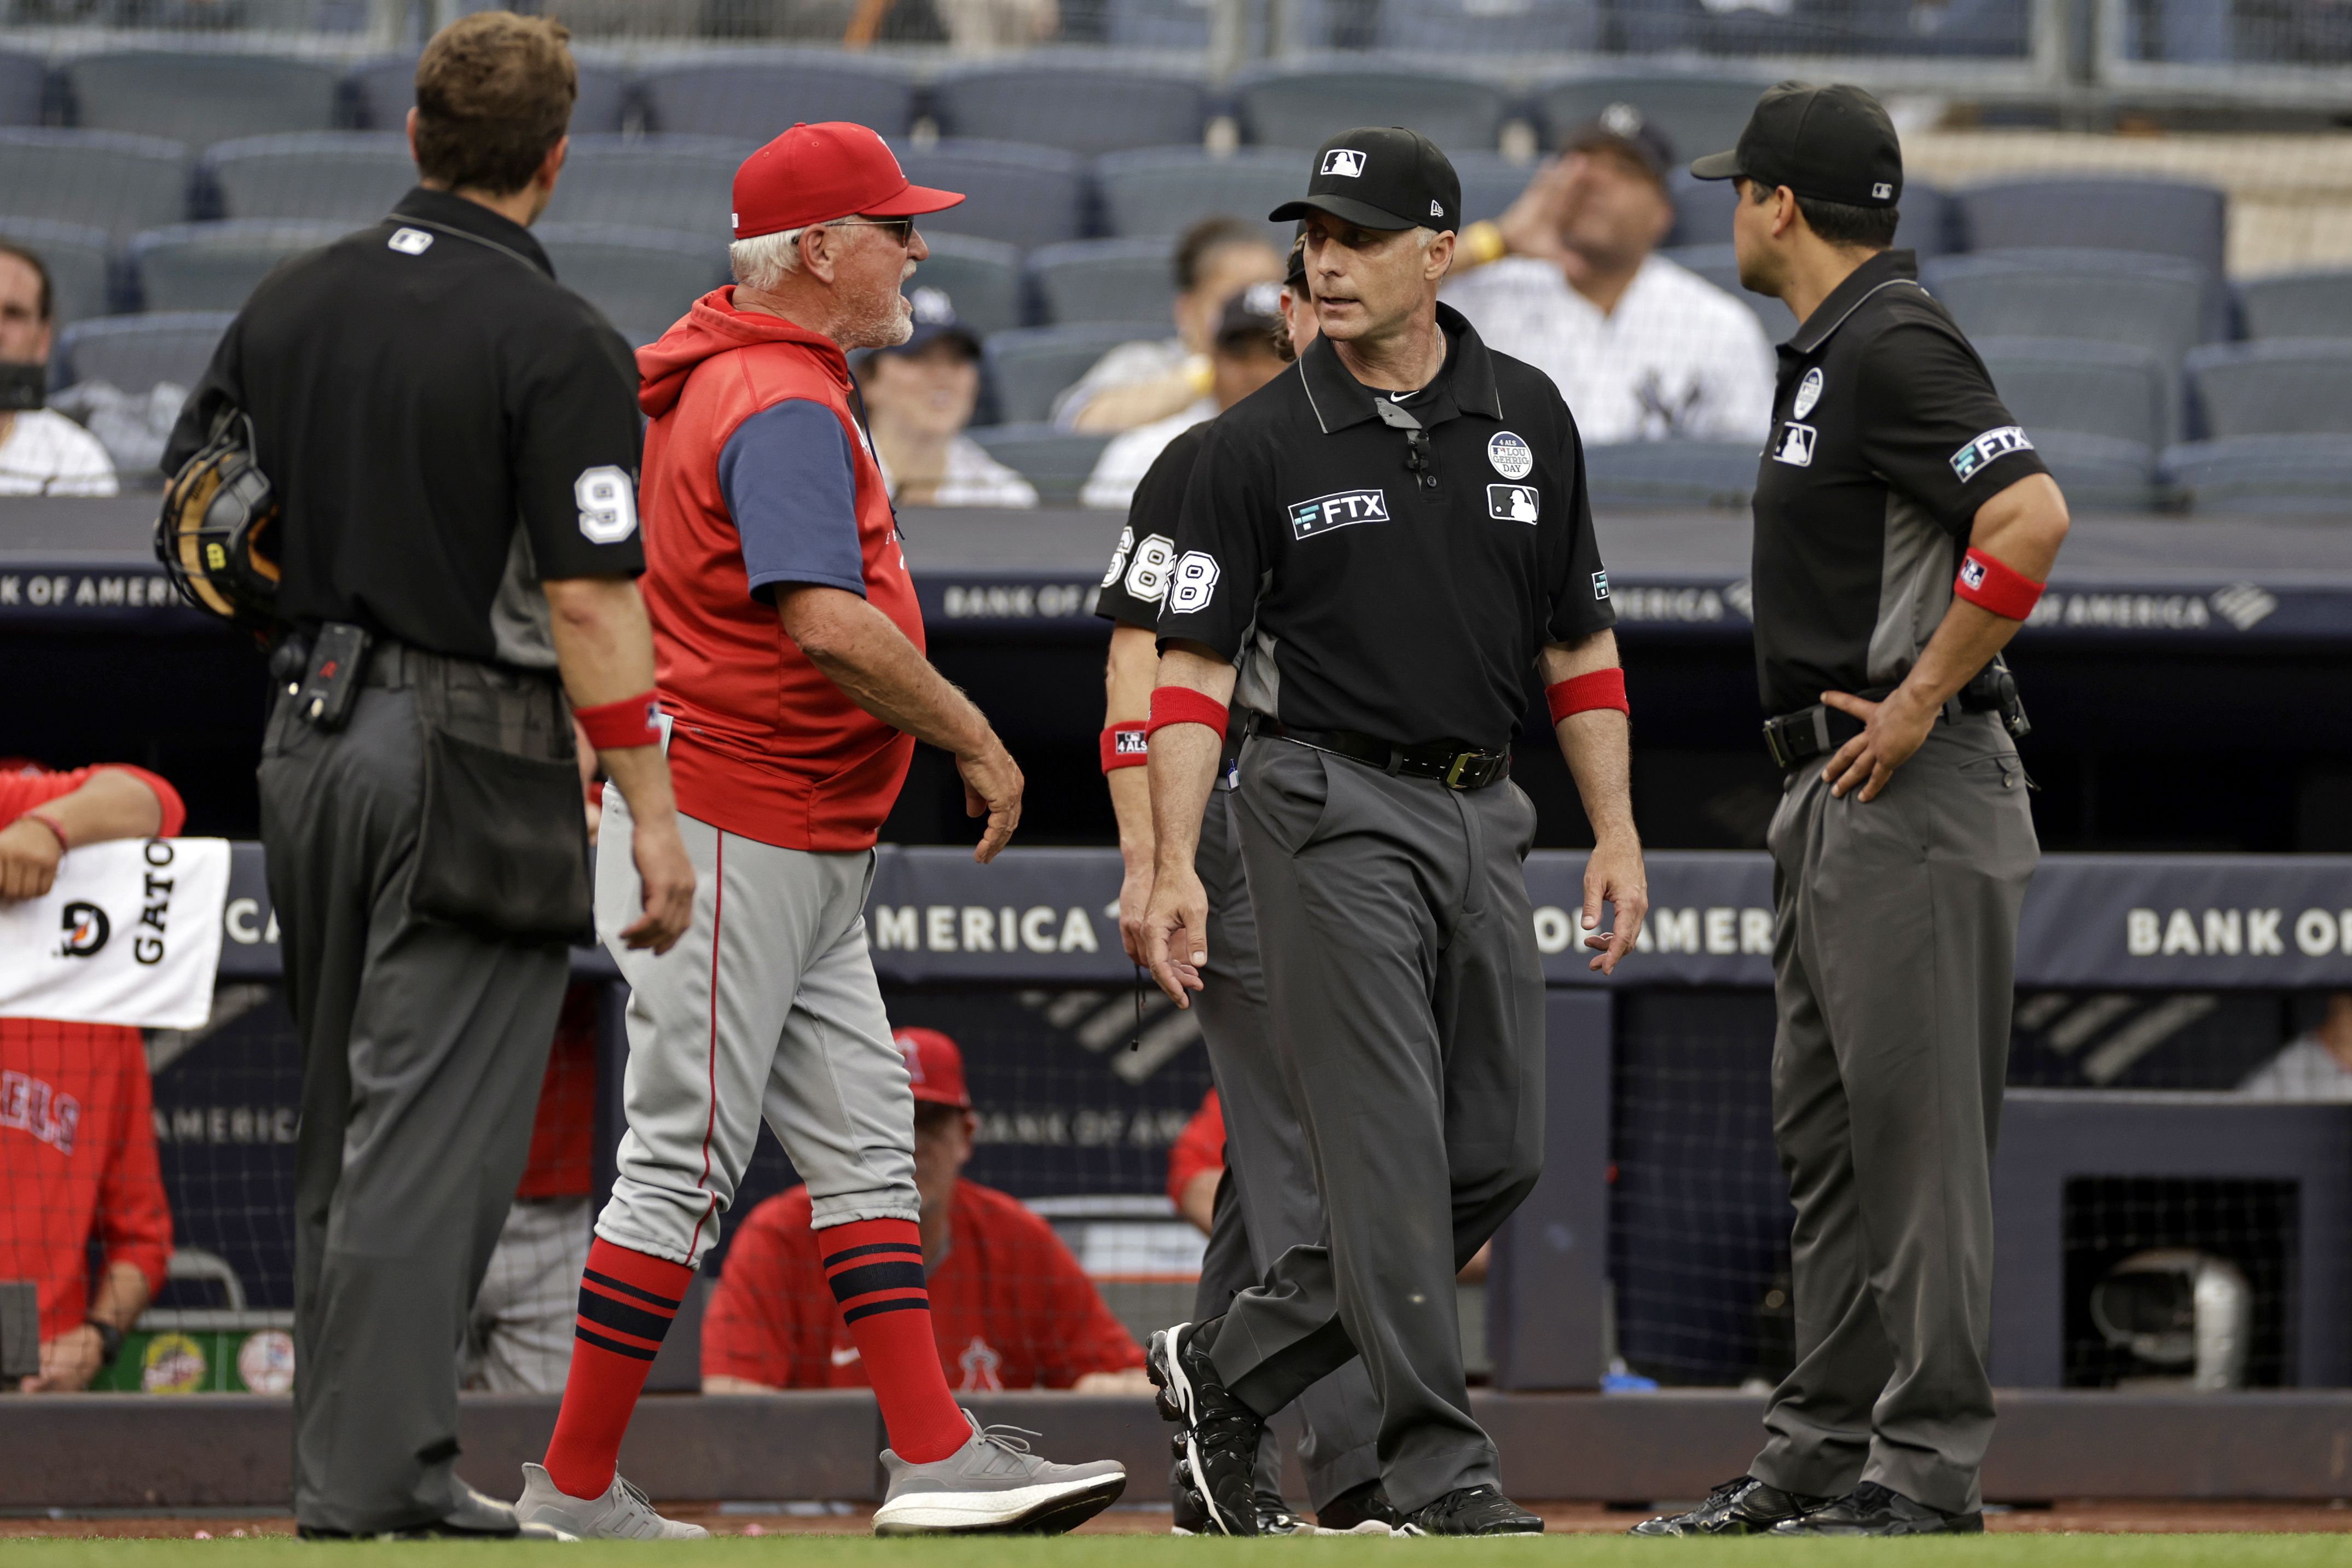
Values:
[(452, 435), (1140, 382), (42, 453)]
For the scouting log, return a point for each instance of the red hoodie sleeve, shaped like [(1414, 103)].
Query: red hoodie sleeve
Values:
[(134, 1220), (1201, 1146)]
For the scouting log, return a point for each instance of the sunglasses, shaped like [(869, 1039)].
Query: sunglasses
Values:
[(903, 235)]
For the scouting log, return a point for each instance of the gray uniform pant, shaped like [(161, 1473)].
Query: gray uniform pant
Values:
[(518, 1338), (1268, 1204), (423, 1051), (1405, 1001), (1894, 959)]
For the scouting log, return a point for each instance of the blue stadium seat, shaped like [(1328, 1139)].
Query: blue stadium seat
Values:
[(1672, 473), (1301, 106), (1719, 266), (2160, 218), (2099, 413), (2315, 304), (136, 352), (1025, 196), (1077, 106), (1163, 190), (378, 94), (1187, 24), (681, 183), (213, 266), (79, 261), (2277, 386), (1703, 211), (1056, 461), (981, 277), (1810, 27), (1103, 280), (1490, 183), (647, 277), (1699, 113), (24, 80), (102, 179), (2154, 302), (199, 96), (1489, 27), (2263, 474), (757, 95), (1995, 29), (350, 176), (1027, 367)]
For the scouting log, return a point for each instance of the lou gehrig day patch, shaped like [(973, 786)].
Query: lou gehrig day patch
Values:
[(1992, 445), (1512, 457)]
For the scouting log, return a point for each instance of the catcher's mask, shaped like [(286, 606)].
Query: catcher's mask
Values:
[(213, 536)]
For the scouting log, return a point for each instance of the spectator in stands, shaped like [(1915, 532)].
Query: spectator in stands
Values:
[(2314, 1065), (77, 1131), (1140, 382), (42, 453), (918, 398), (1011, 1307), (1245, 354), (1568, 280)]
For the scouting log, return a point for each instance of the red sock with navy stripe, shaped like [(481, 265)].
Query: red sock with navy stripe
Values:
[(626, 1301), (875, 1269)]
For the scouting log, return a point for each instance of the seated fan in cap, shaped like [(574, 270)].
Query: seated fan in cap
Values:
[(1245, 354), (919, 397)]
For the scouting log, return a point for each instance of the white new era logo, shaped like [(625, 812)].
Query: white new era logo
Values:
[(1435, 210), (1343, 161)]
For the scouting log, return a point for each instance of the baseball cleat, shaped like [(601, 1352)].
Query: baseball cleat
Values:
[(1274, 1518), (1359, 1511), (993, 1484), (1873, 1510), (1472, 1511), (1221, 1433), (1743, 1506), (1187, 1514), (621, 1514)]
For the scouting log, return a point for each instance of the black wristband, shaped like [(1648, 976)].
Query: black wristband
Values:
[(110, 1341)]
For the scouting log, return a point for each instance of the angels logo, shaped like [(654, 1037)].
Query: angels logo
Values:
[(86, 928), (913, 1053), (979, 1360), (1344, 161)]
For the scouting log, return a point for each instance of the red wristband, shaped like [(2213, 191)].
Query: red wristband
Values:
[(616, 727), (64, 844), (1578, 694), (1989, 585), (1125, 746), (1182, 704)]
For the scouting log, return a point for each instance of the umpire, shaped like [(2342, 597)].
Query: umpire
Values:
[(453, 438), (1904, 528), (1386, 540)]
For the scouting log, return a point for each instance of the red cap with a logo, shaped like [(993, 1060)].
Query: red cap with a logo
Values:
[(935, 1065), (815, 173)]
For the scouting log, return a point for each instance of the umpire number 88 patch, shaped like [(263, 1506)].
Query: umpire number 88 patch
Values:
[(608, 505)]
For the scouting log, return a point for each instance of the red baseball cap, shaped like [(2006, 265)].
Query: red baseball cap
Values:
[(815, 173), (935, 1065)]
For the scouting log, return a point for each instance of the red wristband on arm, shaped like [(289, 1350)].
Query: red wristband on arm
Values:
[(1182, 704), (1989, 585), (1125, 746), (1599, 688), (616, 727)]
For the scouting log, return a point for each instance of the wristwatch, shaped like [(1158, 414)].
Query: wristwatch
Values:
[(110, 1341)]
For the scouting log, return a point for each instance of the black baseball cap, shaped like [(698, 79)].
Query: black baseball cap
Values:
[(1624, 128), (1252, 316), (934, 318), (1830, 143), (1380, 177)]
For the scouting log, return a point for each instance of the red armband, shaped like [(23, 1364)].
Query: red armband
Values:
[(1989, 585), (1182, 704), (616, 727), (1125, 746), (1599, 688)]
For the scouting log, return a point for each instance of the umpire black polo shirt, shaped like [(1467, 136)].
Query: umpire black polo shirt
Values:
[(1136, 584), (1886, 437), (444, 426), (1355, 592)]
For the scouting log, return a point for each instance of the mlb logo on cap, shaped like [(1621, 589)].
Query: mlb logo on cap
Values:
[(1343, 161)]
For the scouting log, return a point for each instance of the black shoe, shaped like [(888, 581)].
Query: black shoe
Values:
[(1190, 1515), (475, 1518), (1359, 1511), (1221, 1433), (1742, 1506), (1274, 1518), (1473, 1511), (1873, 1510)]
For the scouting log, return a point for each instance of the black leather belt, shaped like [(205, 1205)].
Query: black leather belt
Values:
[(1449, 765), (1820, 730)]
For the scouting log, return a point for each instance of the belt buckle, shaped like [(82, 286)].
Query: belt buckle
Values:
[(1464, 762)]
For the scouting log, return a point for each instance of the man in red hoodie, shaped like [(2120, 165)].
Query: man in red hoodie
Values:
[(790, 655)]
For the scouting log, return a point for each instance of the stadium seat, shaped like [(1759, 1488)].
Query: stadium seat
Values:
[(136, 353), (2263, 474), (1672, 473), (1490, 183), (2159, 217), (1026, 196), (199, 96), (1073, 105), (214, 267), (2154, 302), (1699, 114), (1158, 24), (1703, 211), (1996, 28), (378, 94), (2298, 304), (1717, 266), (981, 277), (100, 178), (1104, 280), (1056, 461), (1163, 190), (1302, 106), (1488, 26), (24, 80), (353, 177), (1027, 367), (79, 260), (757, 95), (647, 277), (2277, 386), (681, 183), (2099, 413)]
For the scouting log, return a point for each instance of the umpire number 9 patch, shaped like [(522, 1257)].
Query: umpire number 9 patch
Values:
[(608, 505)]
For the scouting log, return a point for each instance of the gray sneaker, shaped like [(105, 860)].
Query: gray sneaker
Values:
[(994, 1484), (621, 1514)]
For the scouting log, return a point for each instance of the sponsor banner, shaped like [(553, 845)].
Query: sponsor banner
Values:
[(128, 934)]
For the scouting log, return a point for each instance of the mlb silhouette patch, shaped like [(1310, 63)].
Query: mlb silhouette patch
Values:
[(1344, 161), (1796, 445), (1511, 503)]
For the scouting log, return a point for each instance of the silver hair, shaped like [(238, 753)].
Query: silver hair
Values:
[(766, 260)]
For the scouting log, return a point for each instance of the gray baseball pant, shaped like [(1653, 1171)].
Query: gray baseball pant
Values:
[(1894, 962), (1268, 1204), (518, 1338), (422, 1051), (1405, 1004), (767, 1008)]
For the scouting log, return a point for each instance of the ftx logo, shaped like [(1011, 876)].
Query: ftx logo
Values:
[(1325, 512)]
